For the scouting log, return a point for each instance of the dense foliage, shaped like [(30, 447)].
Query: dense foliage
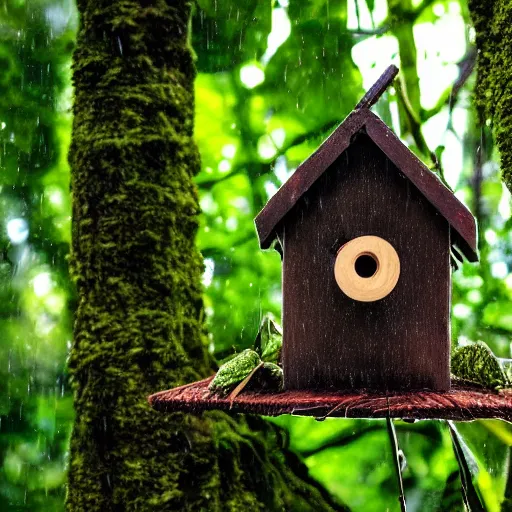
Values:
[(274, 78)]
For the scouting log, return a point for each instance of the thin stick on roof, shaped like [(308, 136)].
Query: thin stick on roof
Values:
[(378, 88)]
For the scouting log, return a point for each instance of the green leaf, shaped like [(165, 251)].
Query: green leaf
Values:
[(477, 363), (470, 495), (234, 371), (370, 4), (498, 314), (485, 441), (226, 33), (321, 81), (269, 340)]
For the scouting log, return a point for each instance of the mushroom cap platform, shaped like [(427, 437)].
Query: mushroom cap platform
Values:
[(461, 403)]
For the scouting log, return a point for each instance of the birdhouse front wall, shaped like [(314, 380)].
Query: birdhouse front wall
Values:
[(401, 341)]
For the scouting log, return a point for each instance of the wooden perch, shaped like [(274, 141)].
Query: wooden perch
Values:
[(462, 403)]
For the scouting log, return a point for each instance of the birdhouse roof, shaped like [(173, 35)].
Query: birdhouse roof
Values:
[(361, 119)]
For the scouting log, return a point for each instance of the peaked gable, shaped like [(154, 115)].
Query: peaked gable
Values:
[(460, 219)]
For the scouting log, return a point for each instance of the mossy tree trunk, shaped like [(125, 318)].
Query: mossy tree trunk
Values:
[(493, 92), (139, 322), (493, 98)]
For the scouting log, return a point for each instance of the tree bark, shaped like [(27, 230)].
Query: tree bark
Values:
[(139, 321), (493, 90)]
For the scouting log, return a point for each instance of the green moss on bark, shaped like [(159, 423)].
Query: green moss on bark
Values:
[(139, 322), (493, 91)]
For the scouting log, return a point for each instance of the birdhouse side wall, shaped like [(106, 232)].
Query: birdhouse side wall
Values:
[(331, 341)]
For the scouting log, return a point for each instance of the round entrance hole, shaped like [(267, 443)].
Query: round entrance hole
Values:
[(366, 265), (367, 268)]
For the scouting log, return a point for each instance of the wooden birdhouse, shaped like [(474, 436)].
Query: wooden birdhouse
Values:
[(366, 233)]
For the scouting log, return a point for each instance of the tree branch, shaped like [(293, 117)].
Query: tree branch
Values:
[(450, 95), (268, 166)]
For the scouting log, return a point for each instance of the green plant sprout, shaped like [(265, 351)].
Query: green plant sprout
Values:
[(477, 364), (474, 363), (259, 366)]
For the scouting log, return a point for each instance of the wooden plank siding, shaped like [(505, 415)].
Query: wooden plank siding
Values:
[(331, 341)]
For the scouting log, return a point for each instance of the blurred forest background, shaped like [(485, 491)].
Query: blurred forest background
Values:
[(274, 79)]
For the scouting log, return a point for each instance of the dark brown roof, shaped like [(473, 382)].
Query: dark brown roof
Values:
[(460, 403), (462, 222)]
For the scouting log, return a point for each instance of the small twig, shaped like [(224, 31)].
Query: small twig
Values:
[(466, 67), (331, 411), (477, 179), (358, 15), (371, 13), (370, 31), (412, 118), (242, 385), (396, 459), (415, 129), (450, 95), (457, 254), (342, 440), (268, 167), (378, 88)]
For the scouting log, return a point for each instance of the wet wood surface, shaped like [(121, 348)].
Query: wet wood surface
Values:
[(378, 88), (330, 340), (278, 208), (459, 404)]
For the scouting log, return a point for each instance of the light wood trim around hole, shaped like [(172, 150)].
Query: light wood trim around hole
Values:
[(381, 283)]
